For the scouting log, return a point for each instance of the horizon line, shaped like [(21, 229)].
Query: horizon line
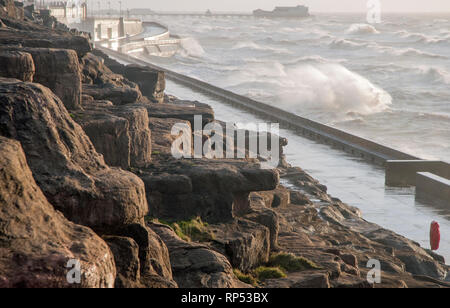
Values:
[(344, 12)]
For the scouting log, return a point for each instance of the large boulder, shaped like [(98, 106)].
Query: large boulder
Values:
[(214, 190), (29, 34), (102, 84), (417, 260), (11, 9), (59, 70), (268, 218), (110, 136), (72, 175), (301, 280), (120, 133), (195, 265), (162, 138), (155, 267), (36, 242), (129, 272), (119, 95), (184, 110), (93, 69), (151, 82), (17, 64), (139, 132), (279, 197), (245, 243), (126, 255), (112, 64), (153, 252)]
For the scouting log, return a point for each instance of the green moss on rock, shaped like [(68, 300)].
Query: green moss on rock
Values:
[(291, 263), (246, 278), (263, 273)]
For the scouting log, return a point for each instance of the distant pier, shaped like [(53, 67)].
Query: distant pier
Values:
[(196, 14)]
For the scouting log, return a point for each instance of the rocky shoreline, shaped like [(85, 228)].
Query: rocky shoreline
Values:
[(86, 174)]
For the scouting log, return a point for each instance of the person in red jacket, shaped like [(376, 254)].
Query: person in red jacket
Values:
[(435, 236)]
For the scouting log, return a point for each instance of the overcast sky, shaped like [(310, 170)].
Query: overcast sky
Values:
[(315, 5)]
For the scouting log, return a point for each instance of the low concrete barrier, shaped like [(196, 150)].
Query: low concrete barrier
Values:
[(165, 34), (402, 173), (432, 188), (139, 46), (132, 27), (162, 39)]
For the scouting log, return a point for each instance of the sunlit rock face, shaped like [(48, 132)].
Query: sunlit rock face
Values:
[(36, 242)]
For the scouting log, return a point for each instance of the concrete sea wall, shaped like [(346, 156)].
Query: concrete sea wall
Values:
[(110, 28)]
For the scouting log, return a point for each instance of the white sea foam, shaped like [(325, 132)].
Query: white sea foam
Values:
[(407, 34), (362, 29), (410, 52), (313, 59), (254, 46), (321, 86), (435, 74), (347, 44), (421, 37), (435, 41)]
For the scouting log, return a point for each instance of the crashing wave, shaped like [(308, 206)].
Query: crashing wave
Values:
[(362, 29), (191, 48), (330, 87)]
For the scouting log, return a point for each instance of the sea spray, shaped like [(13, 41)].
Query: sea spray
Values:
[(311, 83), (332, 88), (191, 47)]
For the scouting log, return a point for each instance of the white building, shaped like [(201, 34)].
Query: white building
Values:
[(68, 12)]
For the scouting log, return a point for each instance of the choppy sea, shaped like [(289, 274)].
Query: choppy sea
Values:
[(389, 82)]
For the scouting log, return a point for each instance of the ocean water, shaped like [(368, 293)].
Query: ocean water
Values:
[(389, 82)]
